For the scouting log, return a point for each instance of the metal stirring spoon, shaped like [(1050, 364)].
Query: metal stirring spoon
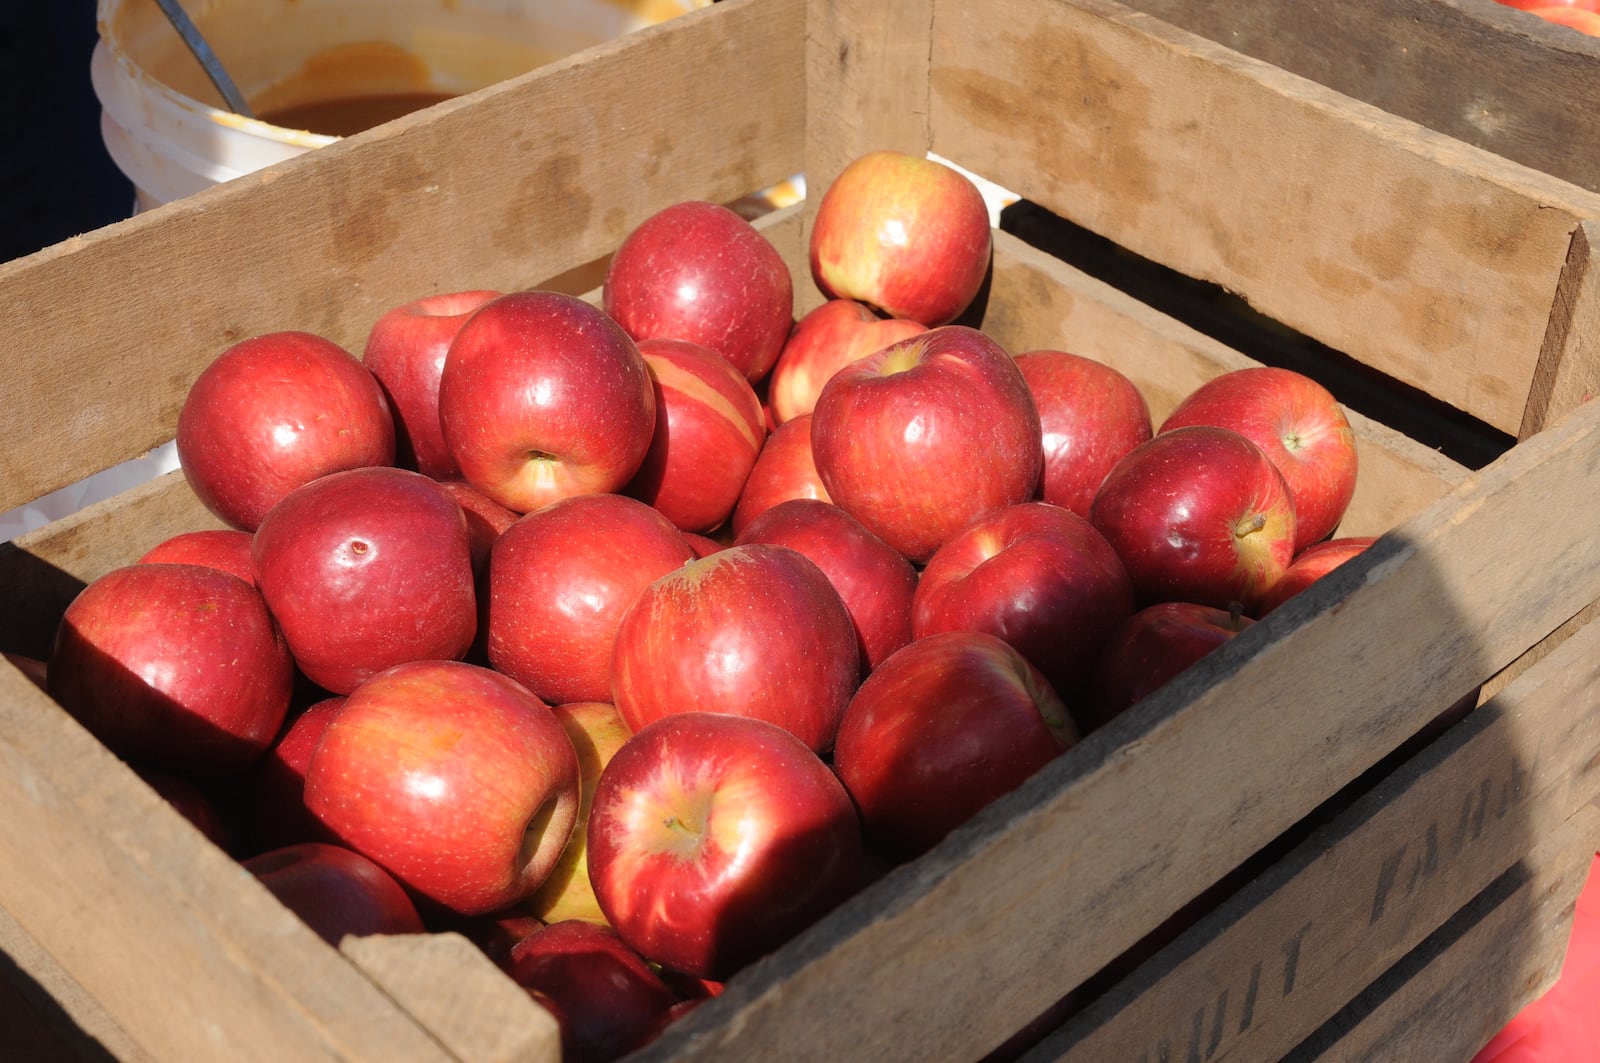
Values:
[(208, 59)]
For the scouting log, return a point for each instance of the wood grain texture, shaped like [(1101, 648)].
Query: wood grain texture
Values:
[(450, 986), (1462, 985), (1476, 70), (499, 189), (47, 1017), (1568, 371), (1428, 259), (1271, 965), (1049, 884)]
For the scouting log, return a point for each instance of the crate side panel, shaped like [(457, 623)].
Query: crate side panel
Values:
[(1132, 816), (499, 189), (1306, 937), (1425, 258)]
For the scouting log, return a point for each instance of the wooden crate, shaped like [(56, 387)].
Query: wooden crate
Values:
[(1439, 265)]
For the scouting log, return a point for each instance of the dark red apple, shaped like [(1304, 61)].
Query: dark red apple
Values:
[(697, 271), (709, 430), (1199, 515), (823, 342), (336, 891), (703, 545), (560, 580), (609, 999), (1151, 648), (454, 778), (277, 782), (275, 412), (224, 548), (1036, 575), (941, 729), (753, 631), (191, 802), (544, 397), (1298, 424), (1310, 565), (923, 437), (715, 838), (179, 666), (903, 233), (875, 583), (365, 569), (1091, 416), (405, 350), (783, 470)]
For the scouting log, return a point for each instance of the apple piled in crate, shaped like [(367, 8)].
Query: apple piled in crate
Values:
[(631, 639)]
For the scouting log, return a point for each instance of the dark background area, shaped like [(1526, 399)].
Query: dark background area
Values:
[(55, 178)]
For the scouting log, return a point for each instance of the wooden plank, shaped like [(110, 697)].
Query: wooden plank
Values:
[(1426, 258), (1267, 968), (498, 189), (453, 990), (1037, 301), (1568, 372), (1461, 986), (1475, 70), (199, 962), (47, 1017), (1051, 883)]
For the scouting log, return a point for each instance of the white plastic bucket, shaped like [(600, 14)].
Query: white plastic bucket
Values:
[(165, 125)]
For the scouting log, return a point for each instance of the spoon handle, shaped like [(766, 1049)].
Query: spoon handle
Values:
[(208, 59)]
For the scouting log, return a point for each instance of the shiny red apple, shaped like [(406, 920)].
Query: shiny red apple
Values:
[(940, 730), (823, 342), (699, 272), (454, 778), (1310, 565), (903, 233), (1091, 416), (544, 397), (277, 782), (275, 412), (783, 470), (923, 437), (1298, 424), (335, 891), (179, 666), (365, 569), (405, 350), (753, 631), (224, 548), (1149, 650), (709, 430), (1198, 514), (560, 581), (1036, 575), (715, 838)]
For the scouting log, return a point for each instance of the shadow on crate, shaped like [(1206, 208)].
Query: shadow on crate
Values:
[(46, 590), (34, 1026)]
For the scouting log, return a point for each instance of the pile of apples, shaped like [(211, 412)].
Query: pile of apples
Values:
[(629, 640)]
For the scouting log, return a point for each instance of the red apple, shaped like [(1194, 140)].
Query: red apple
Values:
[(405, 350), (487, 519), (1199, 515), (783, 470), (749, 631), (1149, 649), (703, 545), (1298, 424), (609, 999), (699, 272), (224, 548), (1091, 416), (365, 569), (335, 891), (190, 801), (454, 778), (1310, 565), (543, 397), (275, 412), (941, 729), (709, 429), (714, 839), (823, 342), (560, 580), (923, 437), (277, 782), (180, 666), (903, 233), (1036, 575), (597, 731), (875, 583)]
